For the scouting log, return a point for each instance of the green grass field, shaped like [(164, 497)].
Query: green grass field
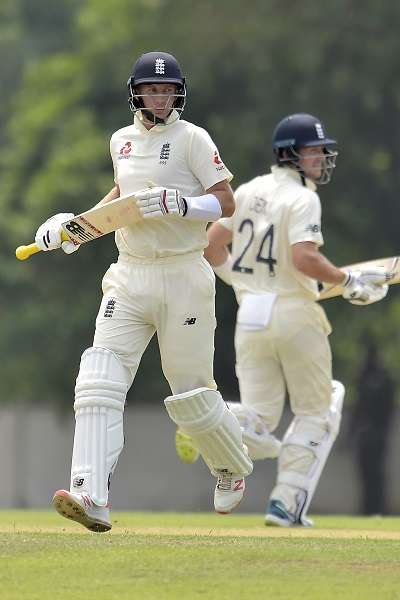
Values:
[(157, 556)]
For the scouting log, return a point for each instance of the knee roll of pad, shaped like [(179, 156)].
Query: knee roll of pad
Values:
[(216, 432), (100, 394)]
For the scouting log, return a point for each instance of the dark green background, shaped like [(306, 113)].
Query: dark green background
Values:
[(63, 68)]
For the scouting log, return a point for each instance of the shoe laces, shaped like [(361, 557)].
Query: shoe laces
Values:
[(224, 482)]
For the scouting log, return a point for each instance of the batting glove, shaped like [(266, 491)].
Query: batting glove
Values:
[(366, 287), (160, 202), (48, 236)]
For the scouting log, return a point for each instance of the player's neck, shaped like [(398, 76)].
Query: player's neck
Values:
[(148, 124)]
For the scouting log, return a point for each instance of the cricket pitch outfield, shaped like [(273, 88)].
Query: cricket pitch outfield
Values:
[(166, 556)]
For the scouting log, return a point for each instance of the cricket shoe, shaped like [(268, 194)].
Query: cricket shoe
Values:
[(278, 516), (82, 509), (185, 448), (228, 491)]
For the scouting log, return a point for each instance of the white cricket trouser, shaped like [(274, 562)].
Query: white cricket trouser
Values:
[(293, 352), (174, 297)]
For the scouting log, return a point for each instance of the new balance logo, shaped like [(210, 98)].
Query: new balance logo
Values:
[(78, 482), (190, 321), (313, 228), (238, 485), (110, 307)]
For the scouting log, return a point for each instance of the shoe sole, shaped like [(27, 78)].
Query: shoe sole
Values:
[(226, 511), (70, 509), (273, 521)]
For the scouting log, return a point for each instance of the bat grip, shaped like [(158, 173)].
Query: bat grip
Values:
[(24, 252)]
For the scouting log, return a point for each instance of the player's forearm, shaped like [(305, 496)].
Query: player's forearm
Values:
[(219, 238), (227, 202), (112, 195), (317, 266), (216, 255), (224, 194)]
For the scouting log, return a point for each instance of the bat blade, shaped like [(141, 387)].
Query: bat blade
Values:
[(390, 264), (94, 223), (100, 220)]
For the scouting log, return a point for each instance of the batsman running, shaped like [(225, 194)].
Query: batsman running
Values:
[(161, 284), (281, 337)]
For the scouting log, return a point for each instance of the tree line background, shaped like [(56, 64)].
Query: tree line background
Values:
[(63, 70)]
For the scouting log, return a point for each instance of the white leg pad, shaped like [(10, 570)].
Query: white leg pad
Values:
[(216, 432), (305, 449), (100, 393), (256, 435)]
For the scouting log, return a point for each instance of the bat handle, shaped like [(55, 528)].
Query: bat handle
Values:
[(24, 252)]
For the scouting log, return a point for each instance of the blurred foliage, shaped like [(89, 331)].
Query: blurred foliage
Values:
[(248, 64)]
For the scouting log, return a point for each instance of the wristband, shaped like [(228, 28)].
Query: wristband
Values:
[(347, 279), (202, 208)]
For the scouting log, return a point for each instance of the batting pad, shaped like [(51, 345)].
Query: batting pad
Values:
[(258, 439), (100, 394), (216, 432), (306, 447)]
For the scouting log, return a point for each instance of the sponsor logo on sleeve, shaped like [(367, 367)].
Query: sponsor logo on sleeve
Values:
[(313, 228), (218, 162)]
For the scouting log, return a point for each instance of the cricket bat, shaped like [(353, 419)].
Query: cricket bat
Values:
[(391, 265), (93, 223)]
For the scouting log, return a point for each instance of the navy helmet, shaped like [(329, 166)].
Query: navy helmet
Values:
[(298, 131), (156, 67)]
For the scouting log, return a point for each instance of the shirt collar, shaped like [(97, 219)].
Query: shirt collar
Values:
[(282, 173), (173, 118)]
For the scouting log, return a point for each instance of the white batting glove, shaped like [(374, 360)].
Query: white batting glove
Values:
[(160, 202), (366, 287), (48, 236)]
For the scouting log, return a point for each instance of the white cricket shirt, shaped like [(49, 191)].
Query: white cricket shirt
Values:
[(273, 212), (178, 155)]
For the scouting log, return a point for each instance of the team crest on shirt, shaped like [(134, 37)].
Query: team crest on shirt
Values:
[(258, 205), (125, 151), (164, 153)]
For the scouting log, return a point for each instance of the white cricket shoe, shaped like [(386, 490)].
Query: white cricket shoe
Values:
[(82, 509), (228, 491)]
